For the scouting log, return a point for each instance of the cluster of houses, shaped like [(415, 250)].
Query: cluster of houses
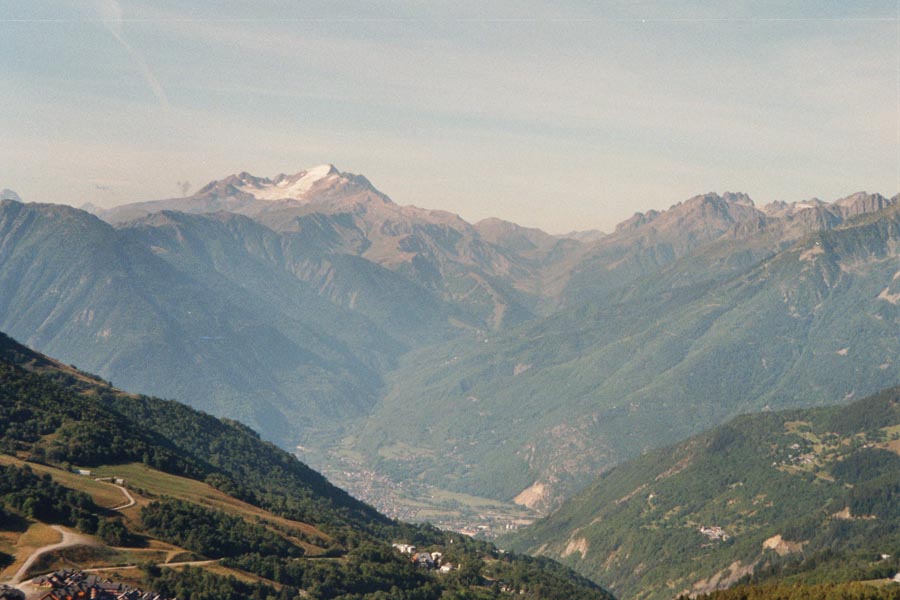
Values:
[(714, 533), (426, 560), (799, 458), (76, 585)]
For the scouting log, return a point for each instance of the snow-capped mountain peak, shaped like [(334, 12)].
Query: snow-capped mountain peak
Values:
[(284, 186)]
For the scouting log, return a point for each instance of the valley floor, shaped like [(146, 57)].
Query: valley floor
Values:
[(417, 502)]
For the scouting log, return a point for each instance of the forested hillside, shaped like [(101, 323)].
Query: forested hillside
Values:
[(803, 496), (261, 523)]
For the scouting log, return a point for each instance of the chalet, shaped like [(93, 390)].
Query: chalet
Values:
[(404, 548), (714, 533), (424, 560)]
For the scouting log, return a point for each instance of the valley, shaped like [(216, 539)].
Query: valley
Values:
[(473, 395), (444, 360), (183, 503), (421, 503), (392, 300)]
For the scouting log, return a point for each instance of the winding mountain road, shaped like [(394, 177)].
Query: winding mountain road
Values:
[(69, 539), (129, 499), (186, 563)]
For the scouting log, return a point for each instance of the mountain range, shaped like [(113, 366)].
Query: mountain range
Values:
[(534, 412), (487, 358)]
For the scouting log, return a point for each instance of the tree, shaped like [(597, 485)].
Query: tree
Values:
[(469, 572)]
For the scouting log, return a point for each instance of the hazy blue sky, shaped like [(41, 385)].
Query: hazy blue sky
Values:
[(563, 115)]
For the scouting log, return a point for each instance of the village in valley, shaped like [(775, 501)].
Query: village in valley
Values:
[(416, 502)]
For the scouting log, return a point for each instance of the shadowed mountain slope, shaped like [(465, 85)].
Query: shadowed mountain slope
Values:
[(542, 407), (148, 307)]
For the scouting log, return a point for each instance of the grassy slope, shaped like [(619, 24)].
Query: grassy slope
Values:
[(153, 484)]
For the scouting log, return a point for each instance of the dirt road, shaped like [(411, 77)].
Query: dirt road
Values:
[(129, 499), (69, 539)]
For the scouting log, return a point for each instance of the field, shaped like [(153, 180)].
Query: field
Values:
[(104, 495), (139, 477), (22, 538), (22, 543)]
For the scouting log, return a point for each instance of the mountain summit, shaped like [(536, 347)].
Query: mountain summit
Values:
[(304, 186), (250, 195), (282, 187)]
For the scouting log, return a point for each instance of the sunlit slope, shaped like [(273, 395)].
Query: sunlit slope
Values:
[(201, 492), (804, 495)]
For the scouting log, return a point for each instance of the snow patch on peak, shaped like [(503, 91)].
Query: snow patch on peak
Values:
[(812, 203), (288, 186), (320, 172), (780, 208)]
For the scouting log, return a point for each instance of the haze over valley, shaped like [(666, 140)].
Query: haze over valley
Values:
[(449, 301), (473, 375)]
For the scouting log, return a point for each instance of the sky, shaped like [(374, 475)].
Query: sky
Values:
[(565, 115)]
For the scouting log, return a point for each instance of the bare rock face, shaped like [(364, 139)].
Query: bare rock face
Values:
[(649, 241), (862, 203), (731, 230), (514, 237), (637, 221)]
